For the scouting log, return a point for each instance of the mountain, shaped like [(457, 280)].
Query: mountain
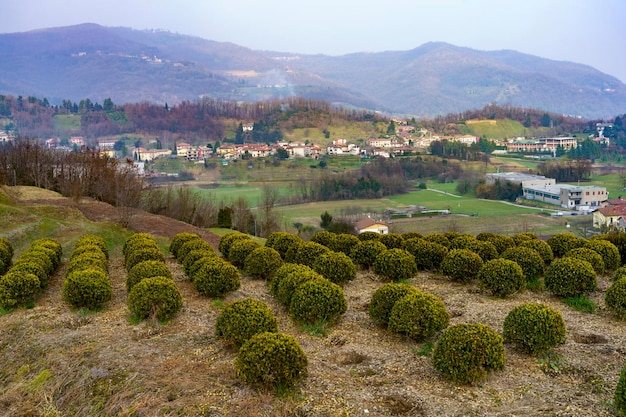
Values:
[(96, 62)]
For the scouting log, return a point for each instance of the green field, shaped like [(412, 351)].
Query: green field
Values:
[(67, 122)]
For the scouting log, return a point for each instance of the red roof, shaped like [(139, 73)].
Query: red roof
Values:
[(613, 210), (365, 223)]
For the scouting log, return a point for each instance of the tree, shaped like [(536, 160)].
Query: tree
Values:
[(545, 120), (327, 219), (107, 105), (391, 130), (282, 154)]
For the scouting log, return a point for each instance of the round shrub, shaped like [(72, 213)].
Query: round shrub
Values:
[(465, 353), (325, 238), (282, 272), (486, 250), (37, 257), (216, 278), (89, 240), (428, 255), (2, 267), (336, 267), (385, 297), (193, 256), (501, 277), (146, 269), (395, 264), (51, 245), (87, 261), (282, 241), (568, 277), (242, 319), (461, 264), (368, 236), (317, 300), (228, 239), (462, 241), (615, 297), (620, 393), (608, 251), (191, 246), (263, 262), (418, 315), (199, 264), (392, 240), (155, 297), (589, 255), (619, 273), (365, 252), (290, 282), (32, 267), (91, 249), (524, 236), (534, 327), (179, 240), (308, 252), (528, 259), (561, 243), (6, 251), (273, 360), (143, 254), (239, 250), (90, 288), (136, 240), (290, 255), (412, 235), (438, 238), (344, 243), (541, 246), (500, 241), (18, 289)]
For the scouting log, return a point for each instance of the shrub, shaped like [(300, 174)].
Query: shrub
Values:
[(179, 240), (589, 255), (541, 246), (317, 300), (193, 256), (395, 264), (262, 263), (199, 264), (428, 255), (242, 319), (465, 353), (89, 240), (51, 245), (501, 277), (365, 236), (143, 254), (191, 246), (570, 276), (32, 267), (528, 259), (534, 327), (384, 298), (608, 251), (524, 236), (462, 241), (561, 243), (40, 257), (290, 255), (619, 273), (155, 297), (18, 289), (308, 252), (325, 238), (271, 359), (418, 315), (344, 243), (239, 250), (615, 297), (227, 240), (461, 264), (365, 252), (438, 238), (87, 261), (6, 252), (91, 249), (289, 283), (620, 393), (412, 235), (282, 272), (486, 250), (136, 240), (216, 279), (282, 242), (90, 288), (337, 267), (392, 241), (501, 242), (146, 269)]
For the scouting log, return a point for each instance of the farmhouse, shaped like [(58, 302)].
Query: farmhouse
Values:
[(568, 196), (612, 217), (370, 225)]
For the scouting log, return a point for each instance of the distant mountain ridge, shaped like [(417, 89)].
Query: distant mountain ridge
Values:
[(96, 62)]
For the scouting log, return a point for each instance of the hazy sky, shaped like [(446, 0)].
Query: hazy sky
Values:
[(590, 32)]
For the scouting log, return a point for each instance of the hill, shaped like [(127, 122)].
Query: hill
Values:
[(91, 61)]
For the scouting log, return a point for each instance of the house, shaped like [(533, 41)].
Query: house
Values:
[(79, 141), (370, 225), (568, 196), (612, 217)]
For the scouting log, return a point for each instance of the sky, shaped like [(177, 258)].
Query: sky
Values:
[(591, 32)]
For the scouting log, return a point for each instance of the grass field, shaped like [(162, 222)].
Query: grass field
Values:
[(494, 129), (67, 121)]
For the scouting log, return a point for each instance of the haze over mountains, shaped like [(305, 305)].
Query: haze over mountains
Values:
[(126, 65)]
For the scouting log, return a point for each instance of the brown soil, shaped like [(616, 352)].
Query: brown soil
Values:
[(55, 361)]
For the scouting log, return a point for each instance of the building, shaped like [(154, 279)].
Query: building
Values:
[(541, 144), (611, 217), (369, 225), (525, 180), (573, 197)]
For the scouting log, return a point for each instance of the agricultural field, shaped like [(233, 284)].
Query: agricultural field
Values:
[(67, 122)]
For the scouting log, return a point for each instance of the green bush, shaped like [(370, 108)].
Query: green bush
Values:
[(412, 235), (392, 240), (239, 251), (568, 277), (462, 241), (216, 279), (486, 250), (465, 353), (500, 241), (395, 264), (561, 243), (534, 327), (528, 259), (273, 360), (137, 240), (142, 254), (18, 289), (90, 288), (288, 284), (384, 299), (51, 245), (146, 269), (194, 255), (589, 255), (337, 267), (325, 238), (191, 246), (438, 238), (501, 277), (242, 319), (87, 261), (524, 236), (2, 267), (40, 257), (365, 236), (317, 300), (541, 246), (282, 242), (365, 252), (6, 252), (615, 297), (619, 273), (32, 267), (179, 240), (608, 251), (418, 315), (461, 264), (199, 264), (290, 255), (228, 239), (91, 249), (155, 297), (620, 394), (93, 240), (263, 262), (308, 252), (344, 243), (428, 255), (282, 272)]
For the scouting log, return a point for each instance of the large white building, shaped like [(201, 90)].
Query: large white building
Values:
[(573, 197)]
